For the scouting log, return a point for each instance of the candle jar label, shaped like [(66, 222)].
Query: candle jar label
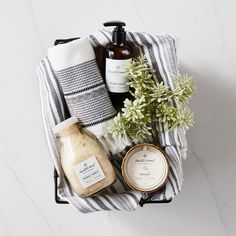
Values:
[(146, 169)]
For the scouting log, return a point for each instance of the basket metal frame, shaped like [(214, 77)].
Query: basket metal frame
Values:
[(58, 200)]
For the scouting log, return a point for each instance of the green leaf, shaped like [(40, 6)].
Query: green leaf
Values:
[(184, 87), (152, 102)]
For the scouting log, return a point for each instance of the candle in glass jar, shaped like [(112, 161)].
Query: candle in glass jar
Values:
[(145, 168)]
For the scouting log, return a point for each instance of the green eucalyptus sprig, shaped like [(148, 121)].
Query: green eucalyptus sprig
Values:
[(152, 102)]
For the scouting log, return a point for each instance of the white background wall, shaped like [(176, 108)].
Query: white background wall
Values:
[(207, 49)]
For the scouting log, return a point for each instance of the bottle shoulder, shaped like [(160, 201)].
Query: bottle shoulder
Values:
[(118, 52), (114, 46)]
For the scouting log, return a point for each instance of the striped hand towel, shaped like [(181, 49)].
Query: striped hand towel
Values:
[(161, 54), (76, 70)]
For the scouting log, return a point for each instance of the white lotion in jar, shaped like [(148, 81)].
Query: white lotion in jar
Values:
[(84, 160)]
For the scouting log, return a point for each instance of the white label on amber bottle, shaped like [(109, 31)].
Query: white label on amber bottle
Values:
[(89, 172), (116, 80)]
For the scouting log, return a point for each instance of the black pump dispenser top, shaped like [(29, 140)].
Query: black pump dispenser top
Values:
[(118, 34)]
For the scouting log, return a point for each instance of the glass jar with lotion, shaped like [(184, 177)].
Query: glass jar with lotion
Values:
[(84, 160)]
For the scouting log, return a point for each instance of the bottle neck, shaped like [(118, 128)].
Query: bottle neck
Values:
[(70, 131), (119, 38)]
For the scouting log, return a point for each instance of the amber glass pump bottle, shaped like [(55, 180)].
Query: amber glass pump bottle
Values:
[(117, 57)]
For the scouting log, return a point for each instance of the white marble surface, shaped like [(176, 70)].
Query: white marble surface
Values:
[(207, 35)]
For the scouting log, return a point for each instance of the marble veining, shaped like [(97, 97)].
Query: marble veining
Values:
[(26, 202), (35, 25), (222, 34), (217, 204), (139, 16), (27, 195)]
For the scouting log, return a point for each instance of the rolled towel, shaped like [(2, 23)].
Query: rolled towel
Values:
[(85, 93)]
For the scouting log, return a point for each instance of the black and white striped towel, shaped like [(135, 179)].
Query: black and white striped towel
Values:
[(161, 54)]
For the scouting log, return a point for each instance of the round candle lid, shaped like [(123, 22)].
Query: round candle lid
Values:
[(145, 168)]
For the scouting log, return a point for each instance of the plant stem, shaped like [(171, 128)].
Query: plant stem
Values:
[(155, 134)]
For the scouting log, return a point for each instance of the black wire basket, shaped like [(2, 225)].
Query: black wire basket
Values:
[(58, 200)]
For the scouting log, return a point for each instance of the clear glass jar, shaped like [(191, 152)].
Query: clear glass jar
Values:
[(84, 160)]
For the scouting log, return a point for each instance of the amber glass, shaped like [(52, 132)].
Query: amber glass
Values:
[(118, 52)]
